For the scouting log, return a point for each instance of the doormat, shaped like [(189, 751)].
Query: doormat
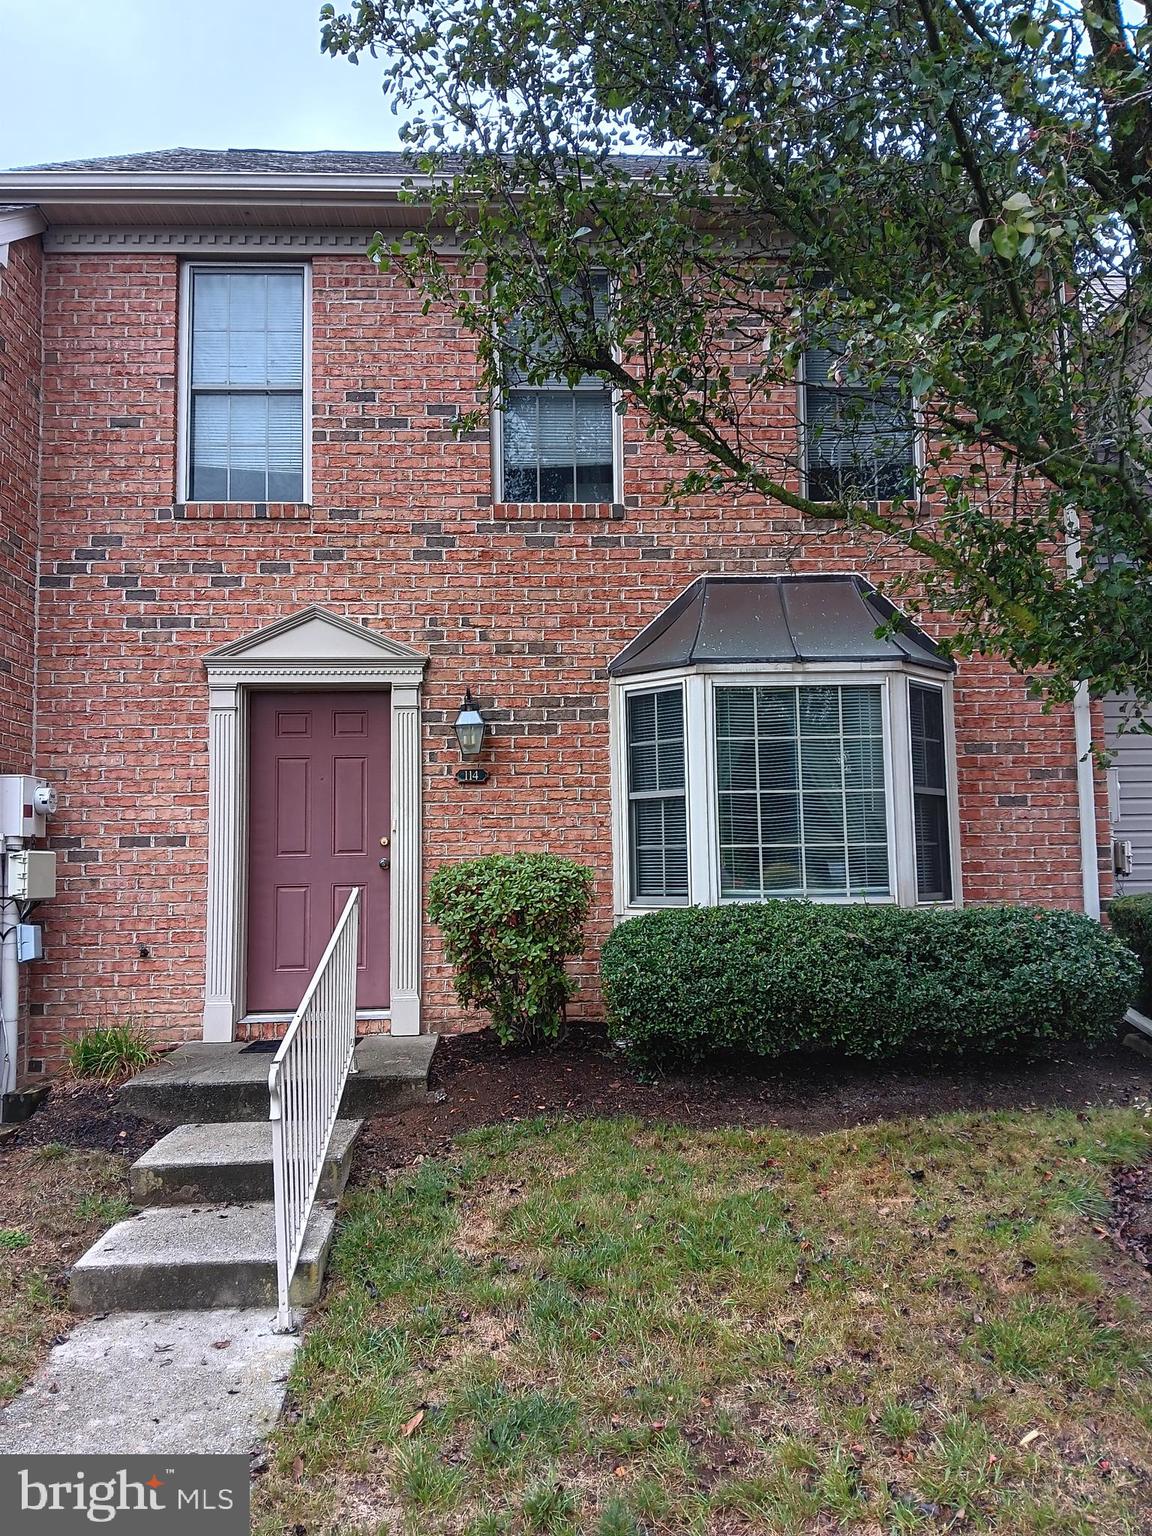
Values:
[(269, 1047)]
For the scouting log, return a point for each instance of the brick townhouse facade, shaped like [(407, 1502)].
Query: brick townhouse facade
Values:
[(247, 573)]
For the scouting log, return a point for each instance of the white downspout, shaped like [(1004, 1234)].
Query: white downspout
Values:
[(1086, 796), (1085, 767)]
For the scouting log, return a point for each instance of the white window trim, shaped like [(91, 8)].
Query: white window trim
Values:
[(950, 780), (496, 436), (919, 437), (699, 684), (498, 497), (184, 372)]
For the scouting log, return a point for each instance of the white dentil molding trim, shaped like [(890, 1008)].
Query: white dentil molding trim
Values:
[(193, 241), (216, 242)]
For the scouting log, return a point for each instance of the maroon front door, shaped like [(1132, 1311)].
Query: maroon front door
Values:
[(318, 826)]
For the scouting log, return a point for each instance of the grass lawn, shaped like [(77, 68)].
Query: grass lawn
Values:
[(54, 1202), (611, 1329)]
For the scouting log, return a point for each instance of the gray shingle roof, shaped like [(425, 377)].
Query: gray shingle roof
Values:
[(317, 162), (300, 162)]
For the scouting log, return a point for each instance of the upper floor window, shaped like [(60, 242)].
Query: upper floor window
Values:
[(245, 384), (859, 442), (556, 442)]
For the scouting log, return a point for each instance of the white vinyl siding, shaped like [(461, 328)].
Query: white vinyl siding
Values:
[(1130, 793), (246, 384)]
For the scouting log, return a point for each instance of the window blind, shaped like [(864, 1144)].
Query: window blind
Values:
[(657, 807), (800, 786), (246, 413), (557, 441), (930, 794), (857, 441), (558, 446)]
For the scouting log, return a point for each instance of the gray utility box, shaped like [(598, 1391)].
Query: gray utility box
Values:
[(29, 941), (30, 875)]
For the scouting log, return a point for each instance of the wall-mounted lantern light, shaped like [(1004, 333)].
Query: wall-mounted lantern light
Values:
[(469, 726)]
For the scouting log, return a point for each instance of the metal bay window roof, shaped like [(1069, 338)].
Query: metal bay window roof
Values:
[(721, 620)]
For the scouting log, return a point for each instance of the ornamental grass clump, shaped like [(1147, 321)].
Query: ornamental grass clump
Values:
[(859, 981), (111, 1051), (510, 921)]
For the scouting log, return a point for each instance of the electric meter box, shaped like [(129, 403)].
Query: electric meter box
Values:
[(24, 803), (30, 876)]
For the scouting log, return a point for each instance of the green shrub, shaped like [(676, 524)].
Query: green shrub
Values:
[(1131, 917), (509, 922), (861, 981), (111, 1051)]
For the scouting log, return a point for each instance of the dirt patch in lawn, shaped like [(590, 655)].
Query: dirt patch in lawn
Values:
[(1132, 1213), (54, 1203), (484, 1084), (85, 1115)]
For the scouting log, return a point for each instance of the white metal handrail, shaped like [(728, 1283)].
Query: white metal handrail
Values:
[(305, 1085)]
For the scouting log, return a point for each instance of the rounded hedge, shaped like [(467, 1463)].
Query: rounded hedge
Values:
[(861, 981), (1131, 916), (509, 922)]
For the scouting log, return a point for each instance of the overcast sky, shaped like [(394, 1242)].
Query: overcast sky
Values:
[(100, 77)]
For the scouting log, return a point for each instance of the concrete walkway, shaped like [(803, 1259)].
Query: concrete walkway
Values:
[(152, 1382)]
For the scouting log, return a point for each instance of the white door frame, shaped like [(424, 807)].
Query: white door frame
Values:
[(320, 650)]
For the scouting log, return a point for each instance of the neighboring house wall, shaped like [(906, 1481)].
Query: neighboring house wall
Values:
[(524, 605), (1130, 780), (20, 347)]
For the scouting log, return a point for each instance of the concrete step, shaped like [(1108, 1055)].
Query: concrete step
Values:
[(206, 1083), (176, 1258), (200, 1164)]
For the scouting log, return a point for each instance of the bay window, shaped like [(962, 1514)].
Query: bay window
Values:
[(828, 777)]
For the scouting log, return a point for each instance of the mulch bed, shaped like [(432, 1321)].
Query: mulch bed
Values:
[(484, 1084), (84, 1114)]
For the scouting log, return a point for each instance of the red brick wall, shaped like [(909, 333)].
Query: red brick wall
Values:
[(20, 304), (525, 609)]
